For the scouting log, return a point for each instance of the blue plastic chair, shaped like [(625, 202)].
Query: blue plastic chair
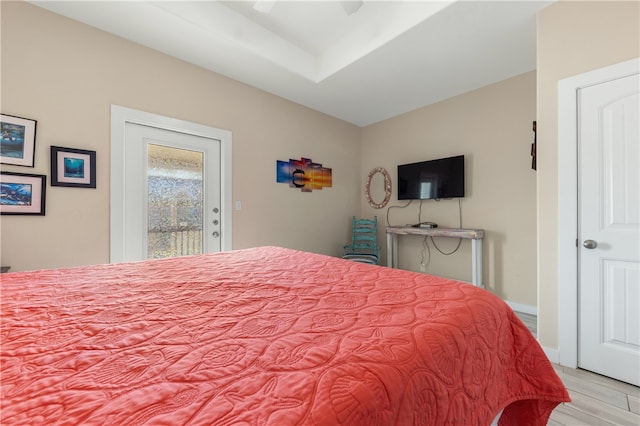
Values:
[(364, 241)]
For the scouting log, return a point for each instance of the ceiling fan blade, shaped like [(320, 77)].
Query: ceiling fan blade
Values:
[(351, 6), (264, 6)]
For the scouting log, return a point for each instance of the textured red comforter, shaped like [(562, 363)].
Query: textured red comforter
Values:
[(264, 336)]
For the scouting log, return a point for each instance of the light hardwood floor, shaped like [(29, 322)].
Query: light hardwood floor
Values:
[(595, 399)]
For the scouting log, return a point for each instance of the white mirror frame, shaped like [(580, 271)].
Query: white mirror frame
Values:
[(387, 187)]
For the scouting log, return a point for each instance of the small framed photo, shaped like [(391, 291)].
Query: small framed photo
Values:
[(17, 140), (73, 167), (22, 193)]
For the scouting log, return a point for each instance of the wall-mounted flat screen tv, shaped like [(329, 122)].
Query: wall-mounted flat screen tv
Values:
[(434, 179)]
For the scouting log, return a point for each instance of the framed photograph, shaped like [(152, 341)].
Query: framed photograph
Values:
[(73, 167), (22, 193), (17, 140)]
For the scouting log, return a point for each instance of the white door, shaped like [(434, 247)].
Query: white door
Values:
[(172, 193), (170, 187), (609, 229)]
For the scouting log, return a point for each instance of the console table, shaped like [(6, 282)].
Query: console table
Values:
[(475, 235)]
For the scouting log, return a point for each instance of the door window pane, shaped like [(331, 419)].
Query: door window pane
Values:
[(175, 201)]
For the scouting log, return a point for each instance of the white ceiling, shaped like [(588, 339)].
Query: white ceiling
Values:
[(385, 59)]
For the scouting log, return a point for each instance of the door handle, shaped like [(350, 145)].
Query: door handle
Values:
[(215, 234), (589, 244)]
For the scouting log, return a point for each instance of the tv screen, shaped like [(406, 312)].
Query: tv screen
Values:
[(434, 179)]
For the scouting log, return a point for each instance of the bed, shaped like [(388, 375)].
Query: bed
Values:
[(264, 336)]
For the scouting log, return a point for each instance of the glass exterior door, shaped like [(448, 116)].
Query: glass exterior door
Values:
[(171, 194), (171, 184), (175, 201)]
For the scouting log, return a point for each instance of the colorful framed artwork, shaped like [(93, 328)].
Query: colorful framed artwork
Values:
[(303, 174), (73, 167), (22, 194), (17, 140)]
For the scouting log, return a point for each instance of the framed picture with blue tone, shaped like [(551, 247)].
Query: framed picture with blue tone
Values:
[(22, 193), (17, 140), (73, 167)]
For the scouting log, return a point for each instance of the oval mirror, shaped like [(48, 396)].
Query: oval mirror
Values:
[(378, 188)]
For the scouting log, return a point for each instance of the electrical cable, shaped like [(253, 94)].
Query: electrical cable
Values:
[(425, 242), (459, 239), (425, 246), (442, 252), (396, 207)]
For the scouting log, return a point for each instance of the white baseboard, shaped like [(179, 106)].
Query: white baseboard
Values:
[(525, 309), (552, 354)]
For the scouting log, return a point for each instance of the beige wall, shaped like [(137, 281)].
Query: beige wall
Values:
[(573, 38), (66, 75), (492, 127)]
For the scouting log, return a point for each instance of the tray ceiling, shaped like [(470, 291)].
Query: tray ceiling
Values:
[(360, 61)]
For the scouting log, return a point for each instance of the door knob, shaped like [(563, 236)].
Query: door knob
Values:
[(215, 234), (589, 244)]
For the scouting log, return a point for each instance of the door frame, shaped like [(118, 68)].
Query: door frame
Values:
[(120, 116), (567, 218)]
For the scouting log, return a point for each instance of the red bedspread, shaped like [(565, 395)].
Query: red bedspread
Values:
[(264, 336)]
